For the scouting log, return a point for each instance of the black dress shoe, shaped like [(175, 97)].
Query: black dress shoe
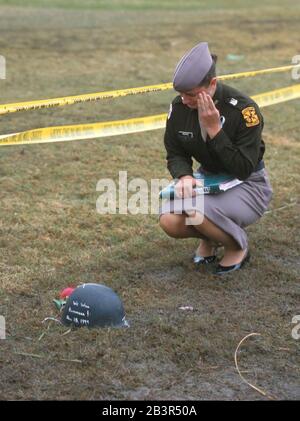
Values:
[(201, 260), (223, 270)]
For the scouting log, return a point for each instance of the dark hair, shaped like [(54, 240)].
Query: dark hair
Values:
[(211, 73)]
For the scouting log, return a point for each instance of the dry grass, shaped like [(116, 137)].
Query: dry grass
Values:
[(51, 235)]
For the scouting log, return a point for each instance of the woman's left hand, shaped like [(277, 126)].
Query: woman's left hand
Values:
[(208, 114)]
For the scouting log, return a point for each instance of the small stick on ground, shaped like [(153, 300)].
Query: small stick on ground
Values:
[(281, 207), (25, 354), (240, 374)]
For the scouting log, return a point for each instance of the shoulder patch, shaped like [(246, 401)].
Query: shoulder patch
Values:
[(250, 116)]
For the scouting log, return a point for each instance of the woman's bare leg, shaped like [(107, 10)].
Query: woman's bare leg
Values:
[(175, 226), (233, 254)]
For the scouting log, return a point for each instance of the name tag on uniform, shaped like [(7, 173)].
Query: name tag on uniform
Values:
[(189, 135)]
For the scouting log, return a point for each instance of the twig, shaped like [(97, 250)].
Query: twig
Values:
[(53, 319), (41, 336), (238, 370), (281, 207), (67, 332), (25, 354)]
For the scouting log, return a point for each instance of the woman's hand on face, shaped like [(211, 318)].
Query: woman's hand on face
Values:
[(208, 114)]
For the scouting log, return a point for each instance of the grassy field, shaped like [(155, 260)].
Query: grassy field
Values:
[(168, 5), (52, 236)]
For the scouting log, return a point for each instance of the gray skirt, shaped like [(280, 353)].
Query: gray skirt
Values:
[(234, 209)]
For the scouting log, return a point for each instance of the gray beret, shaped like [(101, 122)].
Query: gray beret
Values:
[(192, 68)]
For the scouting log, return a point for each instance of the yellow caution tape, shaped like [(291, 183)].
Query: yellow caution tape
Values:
[(85, 131), (76, 99), (69, 100), (133, 125), (278, 95), (258, 72)]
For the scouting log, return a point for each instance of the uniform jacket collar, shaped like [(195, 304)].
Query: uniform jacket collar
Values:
[(218, 96)]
